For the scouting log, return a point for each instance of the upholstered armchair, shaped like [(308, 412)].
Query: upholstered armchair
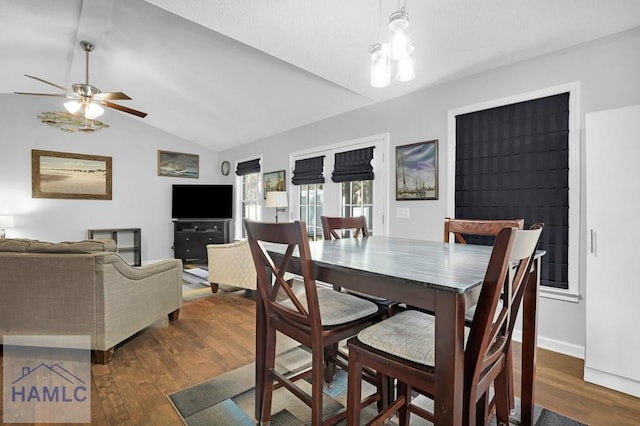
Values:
[(231, 264)]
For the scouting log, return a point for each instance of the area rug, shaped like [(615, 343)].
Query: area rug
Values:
[(228, 399)]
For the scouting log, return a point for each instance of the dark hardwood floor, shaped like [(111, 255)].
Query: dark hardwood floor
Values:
[(216, 334)]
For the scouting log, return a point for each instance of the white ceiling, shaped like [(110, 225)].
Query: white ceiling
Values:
[(227, 72)]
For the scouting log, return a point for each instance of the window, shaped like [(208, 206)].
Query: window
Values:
[(357, 200), (352, 189), (311, 209), (248, 193), (519, 157)]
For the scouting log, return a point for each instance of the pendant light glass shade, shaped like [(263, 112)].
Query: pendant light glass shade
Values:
[(92, 111), (72, 106), (399, 45), (405, 70), (380, 65)]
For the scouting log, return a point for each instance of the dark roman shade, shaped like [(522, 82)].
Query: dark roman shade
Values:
[(308, 171), (353, 165), (248, 167), (513, 162)]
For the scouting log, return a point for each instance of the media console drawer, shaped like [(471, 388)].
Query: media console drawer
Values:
[(191, 237)]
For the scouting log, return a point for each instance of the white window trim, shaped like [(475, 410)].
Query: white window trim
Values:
[(572, 294), (237, 208), (381, 173)]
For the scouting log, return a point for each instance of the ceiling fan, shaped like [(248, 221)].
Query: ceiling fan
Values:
[(85, 98)]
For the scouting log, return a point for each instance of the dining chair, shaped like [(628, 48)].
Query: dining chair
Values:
[(480, 231), (335, 228), (356, 226), (315, 316), (403, 346)]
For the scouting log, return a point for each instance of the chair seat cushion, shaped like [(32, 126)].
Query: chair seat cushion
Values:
[(408, 334), (338, 308)]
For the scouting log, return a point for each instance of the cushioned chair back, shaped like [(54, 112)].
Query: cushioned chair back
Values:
[(279, 298), (357, 225), (477, 228), (492, 326)]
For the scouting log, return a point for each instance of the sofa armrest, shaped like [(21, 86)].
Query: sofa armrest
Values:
[(139, 272)]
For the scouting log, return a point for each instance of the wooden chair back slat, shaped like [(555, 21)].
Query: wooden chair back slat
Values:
[(481, 227), (331, 226)]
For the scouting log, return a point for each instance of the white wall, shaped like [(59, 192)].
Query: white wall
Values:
[(608, 71), (141, 198)]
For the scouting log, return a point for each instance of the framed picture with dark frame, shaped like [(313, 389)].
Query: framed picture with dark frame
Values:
[(417, 171), (274, 181), (178, 164), (72, 176)]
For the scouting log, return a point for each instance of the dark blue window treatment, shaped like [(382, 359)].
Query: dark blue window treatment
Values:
[(513, 162)]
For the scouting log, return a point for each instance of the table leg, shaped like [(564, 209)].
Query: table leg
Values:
[(449, 374), (529, 344)]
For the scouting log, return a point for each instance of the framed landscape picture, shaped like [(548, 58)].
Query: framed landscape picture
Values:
[(178, 164), (73, 176), (417, 171), (274, 181)]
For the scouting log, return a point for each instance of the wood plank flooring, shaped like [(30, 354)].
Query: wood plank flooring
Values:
[(216, 334)]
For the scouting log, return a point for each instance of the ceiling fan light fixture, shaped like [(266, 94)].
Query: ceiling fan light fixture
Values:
[(72, 106), (93, 111)]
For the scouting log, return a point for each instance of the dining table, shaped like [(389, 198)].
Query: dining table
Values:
[(431, 275)]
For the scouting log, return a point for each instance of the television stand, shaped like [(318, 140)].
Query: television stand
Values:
[(191, 236)]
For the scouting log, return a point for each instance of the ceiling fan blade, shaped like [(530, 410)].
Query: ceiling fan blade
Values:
[(123, 109), (59, 95), (49, 83), (103, 96)]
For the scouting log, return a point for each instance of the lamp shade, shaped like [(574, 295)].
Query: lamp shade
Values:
[(277, 199), (6, 222)]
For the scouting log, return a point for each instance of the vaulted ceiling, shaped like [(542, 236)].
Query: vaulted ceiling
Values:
[(227, 72)]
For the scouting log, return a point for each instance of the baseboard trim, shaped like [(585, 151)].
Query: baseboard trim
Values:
[(554, 345), (612, 381)]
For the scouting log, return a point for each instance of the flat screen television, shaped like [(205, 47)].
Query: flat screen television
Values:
[(202, 202)]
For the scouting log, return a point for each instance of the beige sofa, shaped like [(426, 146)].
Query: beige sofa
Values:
[(83, 288), (231, 264)]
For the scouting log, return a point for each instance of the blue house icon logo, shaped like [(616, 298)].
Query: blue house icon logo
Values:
[(48, 383)]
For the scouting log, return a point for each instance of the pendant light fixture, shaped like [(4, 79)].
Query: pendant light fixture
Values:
[(399, 51)]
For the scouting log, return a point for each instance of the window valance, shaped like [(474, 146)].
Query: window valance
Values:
[(248, 167), (353, 165), (308, 171)]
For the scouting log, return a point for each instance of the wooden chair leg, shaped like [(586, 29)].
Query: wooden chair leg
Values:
[(317, 383), (330, 353), (501, 387), (482, 407), (510, 383), (270, 361), (405, 392), (354, 389)]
